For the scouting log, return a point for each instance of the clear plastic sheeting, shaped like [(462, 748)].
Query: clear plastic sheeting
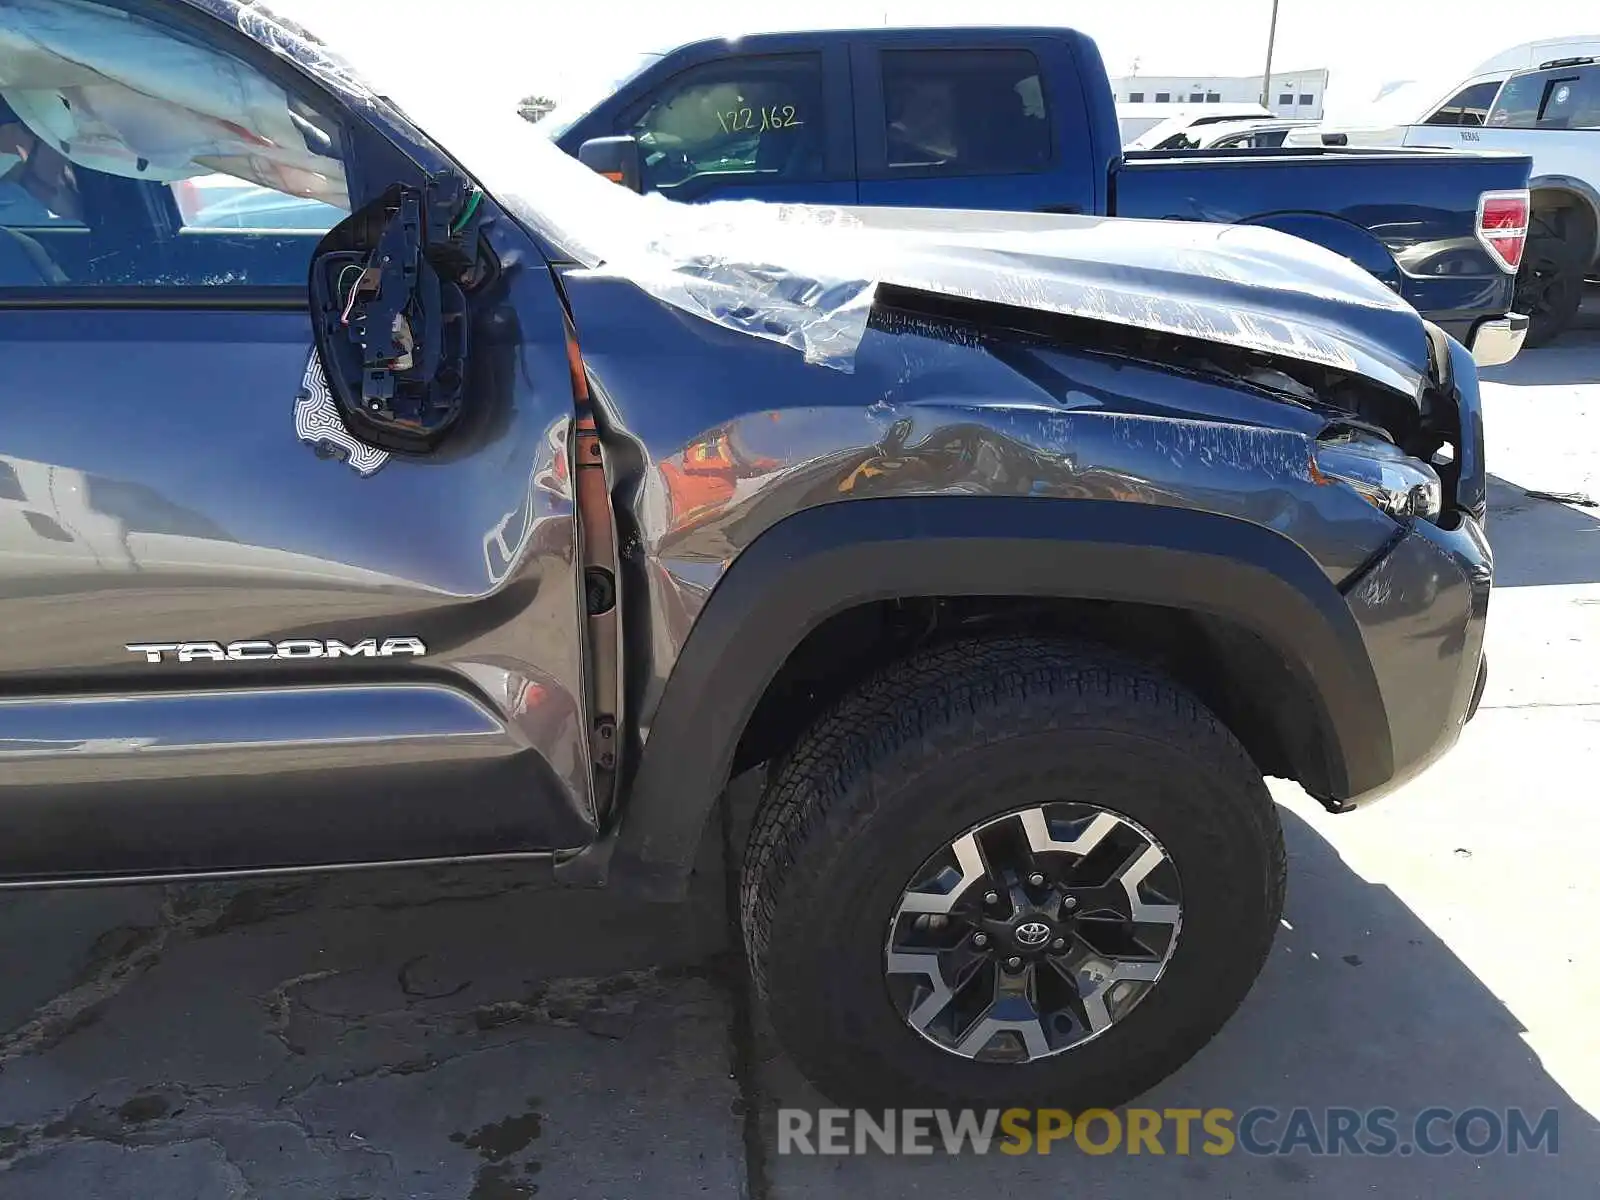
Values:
[(1235, 285), (293, 42), (737, 266), (111, 93)]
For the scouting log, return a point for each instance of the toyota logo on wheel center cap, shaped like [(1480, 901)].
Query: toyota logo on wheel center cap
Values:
[(1033, 933)]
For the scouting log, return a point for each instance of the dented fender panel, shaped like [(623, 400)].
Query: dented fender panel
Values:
[(718, 437)]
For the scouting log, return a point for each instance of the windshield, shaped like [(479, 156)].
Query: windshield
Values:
[(577, 102)]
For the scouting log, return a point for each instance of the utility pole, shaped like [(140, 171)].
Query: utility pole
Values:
[(1266, 75)]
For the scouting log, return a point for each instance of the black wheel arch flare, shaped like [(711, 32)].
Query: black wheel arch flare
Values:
[(824, 560)]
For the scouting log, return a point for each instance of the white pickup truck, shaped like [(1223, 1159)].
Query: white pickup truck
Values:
[(1551, 112)]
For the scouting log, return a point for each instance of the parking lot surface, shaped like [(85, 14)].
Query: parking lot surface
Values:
[(463, 1034)]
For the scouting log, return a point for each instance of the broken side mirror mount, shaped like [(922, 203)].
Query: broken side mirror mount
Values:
[(617, 158), (389, 308)]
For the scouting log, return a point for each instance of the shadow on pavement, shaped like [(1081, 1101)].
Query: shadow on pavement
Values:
[(1538, 541), (1360, 1005), (456, 1034)]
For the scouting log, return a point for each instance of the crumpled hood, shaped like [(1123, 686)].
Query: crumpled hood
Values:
[(1235, 284)]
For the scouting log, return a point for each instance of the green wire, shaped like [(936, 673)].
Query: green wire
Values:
[(466, 213)]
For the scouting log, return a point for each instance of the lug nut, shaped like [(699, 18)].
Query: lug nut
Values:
[(980, 939), (1013, 962), (1059, 944), (1069, 902), (1036, 879), (991, 897)]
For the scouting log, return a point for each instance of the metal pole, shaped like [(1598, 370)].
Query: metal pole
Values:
[(1266, 75)]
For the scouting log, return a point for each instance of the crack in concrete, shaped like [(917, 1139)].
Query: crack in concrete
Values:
[(409, 989), (192, 911), (602, 1006), (117, 958), (124, 953), (171, 1115), (279, 1005), (152, 1119)]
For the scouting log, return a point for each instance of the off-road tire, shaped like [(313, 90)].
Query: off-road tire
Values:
[(940, 742)]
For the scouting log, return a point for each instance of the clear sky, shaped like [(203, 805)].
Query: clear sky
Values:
[(553, 45)]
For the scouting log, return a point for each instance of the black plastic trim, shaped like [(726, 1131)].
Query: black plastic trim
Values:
[(824, 560)]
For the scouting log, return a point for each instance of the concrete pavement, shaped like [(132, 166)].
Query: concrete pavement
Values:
[(460, 1034)]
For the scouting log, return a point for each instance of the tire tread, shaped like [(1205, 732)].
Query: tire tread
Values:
[(828, 790)]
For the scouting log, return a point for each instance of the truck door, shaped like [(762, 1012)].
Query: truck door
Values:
[(962, 124), (752, 126), (234, 640)]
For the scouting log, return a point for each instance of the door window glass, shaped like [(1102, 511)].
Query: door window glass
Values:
[(965, 112), (757, 117), (1469, 106), (227, 202), (1566, 98), (134, 154)]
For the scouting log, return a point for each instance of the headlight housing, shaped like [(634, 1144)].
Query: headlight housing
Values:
[(1382, 473)]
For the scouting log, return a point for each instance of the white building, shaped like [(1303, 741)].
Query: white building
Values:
[(1293, 93)]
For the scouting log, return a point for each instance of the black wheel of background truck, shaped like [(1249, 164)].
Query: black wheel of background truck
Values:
[(1549, 285), (1009, 872)]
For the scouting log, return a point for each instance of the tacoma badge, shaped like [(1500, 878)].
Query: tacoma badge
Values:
[(292, 649)]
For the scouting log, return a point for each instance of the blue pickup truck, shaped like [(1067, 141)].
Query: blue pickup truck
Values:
[(1023, 119)]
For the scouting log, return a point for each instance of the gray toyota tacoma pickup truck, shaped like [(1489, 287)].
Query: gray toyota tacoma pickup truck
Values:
[(509, 515)]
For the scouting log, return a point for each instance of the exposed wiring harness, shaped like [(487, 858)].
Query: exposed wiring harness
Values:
[(362, 271)]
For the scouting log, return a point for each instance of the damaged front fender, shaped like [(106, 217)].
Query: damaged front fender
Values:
[(717, 437)]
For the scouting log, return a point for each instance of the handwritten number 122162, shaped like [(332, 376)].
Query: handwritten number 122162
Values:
[(777, 116)]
